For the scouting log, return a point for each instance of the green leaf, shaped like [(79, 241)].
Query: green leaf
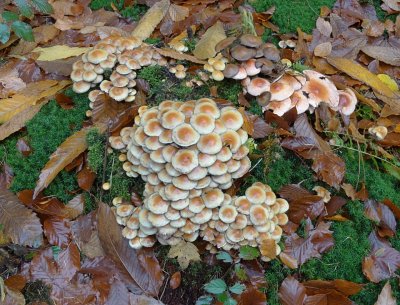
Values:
[(223, 297), (23, 30), (4, 33), (230, 301), (248, 253), (237, 288), (9, 16), (392, 170), (224, 256), (204, 300), (43, 6), (240, 272), (24, 8), (216, 286)]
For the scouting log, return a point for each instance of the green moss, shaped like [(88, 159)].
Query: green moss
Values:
[(134, 12), (152, 40), (291, 14), (229, 89), (96, 148), (45, 132), (275, 273)]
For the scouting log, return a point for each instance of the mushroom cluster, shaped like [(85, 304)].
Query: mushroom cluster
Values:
[(251, 220), (179, 71), (215, 66), (251, 55), (301, 91), (111, 64)]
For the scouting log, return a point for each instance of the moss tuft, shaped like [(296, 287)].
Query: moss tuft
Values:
[(133, 12), (37, 292), (275, 273)]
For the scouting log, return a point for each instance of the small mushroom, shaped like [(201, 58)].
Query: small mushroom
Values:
[(242, 53)]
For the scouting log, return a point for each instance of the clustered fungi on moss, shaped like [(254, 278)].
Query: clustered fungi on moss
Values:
[(188, 153)]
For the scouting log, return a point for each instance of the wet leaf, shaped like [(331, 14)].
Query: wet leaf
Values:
[(75, 207), (20, 224), (288, 260), (307, 206), (330, 168), (216, 286), (175, 280), (23, 147), (205, 48), (292, 292), (64, 101), (139, 270), (151, 19), (293, 192), (251, 296), (65, 154), (185, 252), (343, 287), (386, 296), (318, 240), (382, 215), (59, 52), (85, 179), (57, 230)]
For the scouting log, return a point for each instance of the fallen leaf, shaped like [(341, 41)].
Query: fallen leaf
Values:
[(23, 147), (344, 287), (394, 208), (292, 292), (386, 296), (289, 261), (151, 19), (324, 27), (382, 215), (135, 299), (330, 168), (178, 12), (185, 252), (175, 280), (385, 54), (20, 224), (64, 101), (390, 82), (75, 207), (65, 154), (205, 48), (248, 124), (293, 192), (362, 194), (268, 248), (306, 206), (383, 261), (13, 297), (16, 282), (324, 49), (138, 269), (251, 296), (318, 240), (57, 230), (59, 52), (86, 178)]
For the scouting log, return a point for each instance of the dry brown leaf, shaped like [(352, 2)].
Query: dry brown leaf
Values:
[(151, 19), (205, 48), (75, 206), (178, 12), (180, 56), (268, 248), (324, 49), (386, 296), (387, 55), (288, 260), (71, 148), (12, 297), (324, 27), (59, 52), (20, 224), (382, 215), (57, 231), (185, 252), (175, 280), (292, 292)]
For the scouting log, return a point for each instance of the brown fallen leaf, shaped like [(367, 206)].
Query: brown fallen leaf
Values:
[(86, 178), (394, 208), (324, 49), (151, 19), (289, 261), (362, 194), (57, 231), (20, 224), (179, 56), (251, 296), (12, 297), (205, 48), (386, 296), (65, 153), (139, 269), (307, 206), (382, 215), (330, 168), (185, 252), (383, 261), (387, 55), (292, 292), (24, 147), (75, 207), (175, 280), (346, 288)]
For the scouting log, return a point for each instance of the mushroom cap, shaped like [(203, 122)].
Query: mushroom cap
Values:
[(227, 213), (270, 198), (271, 53), (284, 205), (203, 183), (232, 119), (96, 56), (251, 67), (212, 197), (257, 86), (106, 85), (256, 194), (81, 87), (347, 101), (250, 40), (218, 75), (185, 161), (203, 123), (242, 74), (135, 243), (121, 81), (153, 128), (94, 94), (243, 205), (77, 74), (172, 118), (156, 204), (207, 107), (209, 143), (124, 210), (250, 233), (234, 236), (157, 220), (133, 222), (296, 81), (258, 215), (196, 205), (232, 140), (231, 70), (233, 165), (320, 89), (241, 53), (173, 193), (281, 107), (224, 43), (183, 182), (123, 69), (240, 222), (218, 168), (280, 91), (225, 154), (197, 173), (379, 132), (185, 135), (300, 101), (282, 219), (118, 94), (180, 204), (147, 241), (206, 160), (166, 136)]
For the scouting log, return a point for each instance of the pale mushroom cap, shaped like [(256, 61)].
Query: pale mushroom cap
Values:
[(106, 85), (231, 139), (218, 168), (180, 204), (300, 101), (76, 75), (96, 56), (207, 107), (250, 233), (118, 94), (243, 205), (203, 123), (203, 217), (270, 198), (210, 143), (242, 74), (284, 205), (185, 161), (281, 107), (133, 222), (156, 204), (212, 198), (135, 243), (256, 194), (129, 233), (124, 210), (282, 219), (280, 91), (228, 213), (234, 236), (240, 222), (184, 183), (172, 118), (224, 155), (258, 85), (197, 173), (196, 205), (206, 160), (184, 135), (173, 193), (251, 68), (81, 87), (347, 101), (320, 89), (147, 241), (258, 215), (203, 183), (232, 119)]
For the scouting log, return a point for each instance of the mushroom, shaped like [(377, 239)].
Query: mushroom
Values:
[(242, 53), (347, 101), (257, 86)]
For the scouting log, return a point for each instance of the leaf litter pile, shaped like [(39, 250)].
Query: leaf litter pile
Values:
[(336, 163)]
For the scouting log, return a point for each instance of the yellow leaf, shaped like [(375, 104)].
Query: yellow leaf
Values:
[(30, 95), (71, 148), (205, 48), (185, 252), (180, 56), (59, 52), (388, 81), (151, 19), (360, 73), (181, 36)]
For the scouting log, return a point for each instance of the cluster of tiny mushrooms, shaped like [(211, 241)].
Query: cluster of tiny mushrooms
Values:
[(189, 152)]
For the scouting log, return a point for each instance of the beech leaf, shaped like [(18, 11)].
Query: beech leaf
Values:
[(57, 230), (292, 292), (382, 215), (387, 55), (138, 269), (205, 48), (386, 296), (59, 52), (179, 56)]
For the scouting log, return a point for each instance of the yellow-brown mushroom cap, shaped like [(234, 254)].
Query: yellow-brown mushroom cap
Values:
[(232, 119), (256, 194), (156, 204), (210, 143), (231, 139), (227, 213), (207, 107), (212, 198), (153, 128), (96, 56), (185, 161), (203, 123), (258, 215), (185, 135), (172, 118)]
